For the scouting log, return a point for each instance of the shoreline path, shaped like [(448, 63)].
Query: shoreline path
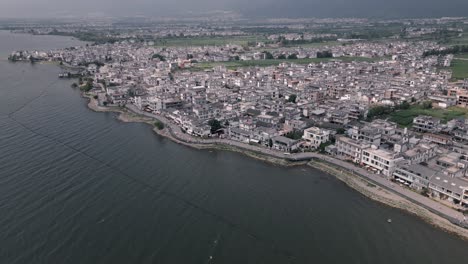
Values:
[(435, 207)]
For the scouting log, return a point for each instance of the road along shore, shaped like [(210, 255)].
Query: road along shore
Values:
[(357, 181)]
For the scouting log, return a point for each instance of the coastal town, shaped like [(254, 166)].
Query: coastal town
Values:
[(393, 108)]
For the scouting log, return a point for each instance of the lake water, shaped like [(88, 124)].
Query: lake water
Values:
[(82, 187)]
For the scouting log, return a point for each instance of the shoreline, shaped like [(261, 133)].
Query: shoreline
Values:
[(352, 179)]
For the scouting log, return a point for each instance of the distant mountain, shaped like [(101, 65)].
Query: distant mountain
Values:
[(247, 8), (356, 8)]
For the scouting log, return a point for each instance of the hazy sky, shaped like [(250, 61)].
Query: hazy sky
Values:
[(264, 8)]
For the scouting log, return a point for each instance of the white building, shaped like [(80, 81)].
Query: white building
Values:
[(384, 161), (349, 148), (316, 136)]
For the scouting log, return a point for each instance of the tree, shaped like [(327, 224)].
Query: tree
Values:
[(451, 50), (159, 125), (426, 105), (270, 142), (74, 85), (340, 131), (322, 146), (324, 54), (215, 125), (159, 56), (86, 87), (379, 110), (282, 57), (404, 105), (292, 98), (295, 134), (292, 57), (425, 192), (268, 55)]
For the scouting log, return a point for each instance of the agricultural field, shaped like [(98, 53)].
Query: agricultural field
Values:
[(463, 40), (461, 56), (316, 44), (405, 117), (207, 41), (266, 63), (459, 67)]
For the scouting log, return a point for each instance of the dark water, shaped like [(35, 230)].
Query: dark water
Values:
[(81, 187)]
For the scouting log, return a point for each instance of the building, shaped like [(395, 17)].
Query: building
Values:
[(239, 134), (416, 176), (366, 134), (462, 97), (316, 136), (420, 153), (350, 149), (426, 124), (384, 161), (437, 138), (285, 144), (449, 188), (434, 180)]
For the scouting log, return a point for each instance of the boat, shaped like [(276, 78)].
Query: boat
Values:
[(389, 220)]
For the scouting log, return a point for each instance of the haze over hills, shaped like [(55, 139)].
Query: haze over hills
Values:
[(247, 8)]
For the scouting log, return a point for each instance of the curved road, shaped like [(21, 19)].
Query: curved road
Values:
[(429, 204)]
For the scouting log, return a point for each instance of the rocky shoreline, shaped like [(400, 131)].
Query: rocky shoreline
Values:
[(352, 180)]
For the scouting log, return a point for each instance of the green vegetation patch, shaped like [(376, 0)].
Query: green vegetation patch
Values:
[(463, 40), (405, 117), (275, 62), (315, 44), (461, 56), (208, 41), (459, 67), (159, 125)]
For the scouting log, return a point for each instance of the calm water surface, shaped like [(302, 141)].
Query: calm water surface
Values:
[(81, 187)]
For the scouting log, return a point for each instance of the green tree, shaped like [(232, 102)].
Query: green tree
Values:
[(426, 105), (379, 110), (340, 131), (322, 146), (292, 57), (268, 55), (324, 54), (159, 56), (215, 125), (404, 105), (295, 134), (282, 57), (292, 98), (159, 125)]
